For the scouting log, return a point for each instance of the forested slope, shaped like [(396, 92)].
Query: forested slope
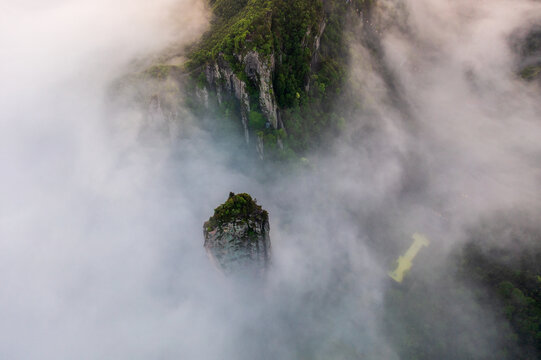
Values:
[(277, 66)]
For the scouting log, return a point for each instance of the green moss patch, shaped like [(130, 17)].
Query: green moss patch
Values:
[(238, 207)]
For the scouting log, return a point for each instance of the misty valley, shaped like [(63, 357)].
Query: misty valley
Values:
[(270, 179)]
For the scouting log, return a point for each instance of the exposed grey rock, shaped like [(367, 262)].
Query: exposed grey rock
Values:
[(260, 146), (157, 122), (260, 71), (237, 236), (203, 96), (317, 44), (222, 78)]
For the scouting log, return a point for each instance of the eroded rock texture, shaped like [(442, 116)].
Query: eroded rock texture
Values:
[(237, 236)]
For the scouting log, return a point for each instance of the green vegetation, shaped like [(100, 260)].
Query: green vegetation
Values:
[(256, 120), (237, 207), (432, 315), (160, 72), (309, 63), (530, 72), (512, 281), (292, 21), (237, 27)]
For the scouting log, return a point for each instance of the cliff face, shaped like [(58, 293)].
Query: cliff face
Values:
[(223, 81), (273, 59), (242, 62), (269, 69), (237, 236)]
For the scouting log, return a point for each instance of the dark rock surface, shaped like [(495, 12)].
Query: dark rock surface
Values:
[(237, 236)]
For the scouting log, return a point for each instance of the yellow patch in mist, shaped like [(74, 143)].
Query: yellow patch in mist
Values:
[(405, 262)]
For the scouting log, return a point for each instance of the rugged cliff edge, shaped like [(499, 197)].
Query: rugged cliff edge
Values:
[(276, 65), (237, 236), (270, 70)]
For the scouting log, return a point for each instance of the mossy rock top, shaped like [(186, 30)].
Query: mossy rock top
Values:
[(238, 207)]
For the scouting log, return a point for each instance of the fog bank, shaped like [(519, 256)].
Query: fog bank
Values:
[(101, 245)]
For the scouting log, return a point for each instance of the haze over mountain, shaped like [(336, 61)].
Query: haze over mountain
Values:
[(355, 124)]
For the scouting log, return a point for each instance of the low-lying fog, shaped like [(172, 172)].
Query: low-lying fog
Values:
[(101, 244)]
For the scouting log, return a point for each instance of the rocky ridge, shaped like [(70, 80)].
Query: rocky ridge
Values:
[(237, 236), (271, 58)]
